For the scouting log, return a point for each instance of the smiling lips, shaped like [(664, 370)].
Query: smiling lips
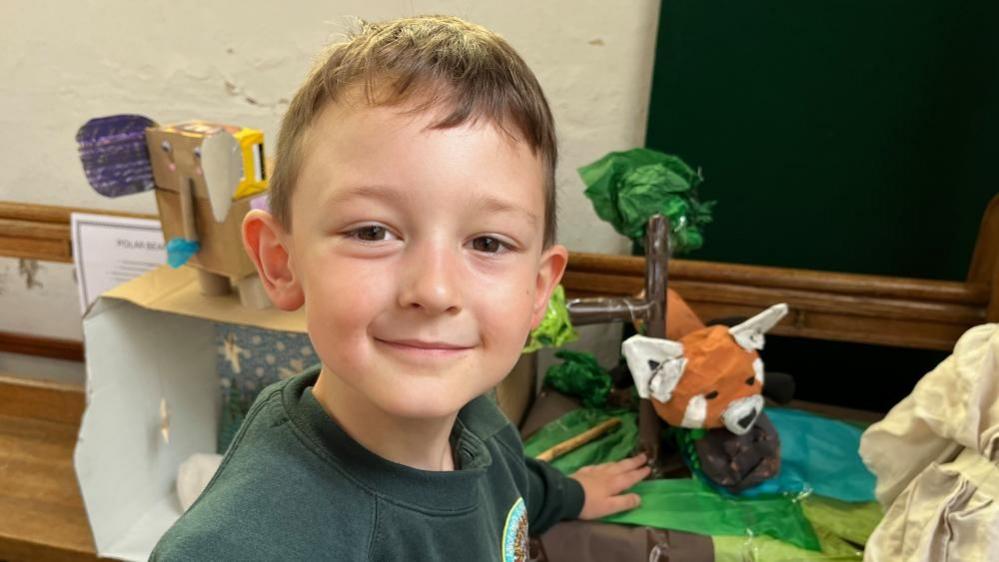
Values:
[(424, 348)]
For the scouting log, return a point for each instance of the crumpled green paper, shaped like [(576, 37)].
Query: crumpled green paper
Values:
[(555, 329), (626, 188), (684, 504), (581, 376), (842, 529)]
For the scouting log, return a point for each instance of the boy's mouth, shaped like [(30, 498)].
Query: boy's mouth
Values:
[(422, 347)]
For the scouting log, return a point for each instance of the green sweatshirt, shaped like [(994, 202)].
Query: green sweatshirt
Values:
[(294, 486)]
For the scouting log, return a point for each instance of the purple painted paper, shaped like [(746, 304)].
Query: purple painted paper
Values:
[(114, 154)]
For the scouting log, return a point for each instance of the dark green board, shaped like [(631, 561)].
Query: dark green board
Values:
[(854, 135)]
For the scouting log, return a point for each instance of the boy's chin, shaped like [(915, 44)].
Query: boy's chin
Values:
[(426, 407)]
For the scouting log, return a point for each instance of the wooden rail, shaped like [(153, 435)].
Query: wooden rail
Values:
[(914, 313), (67, 350), (41, 232), (834, 306)]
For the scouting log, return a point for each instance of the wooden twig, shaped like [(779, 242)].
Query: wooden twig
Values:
[(579, 440)]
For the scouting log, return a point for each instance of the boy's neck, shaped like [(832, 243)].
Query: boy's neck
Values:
[(418, 443)]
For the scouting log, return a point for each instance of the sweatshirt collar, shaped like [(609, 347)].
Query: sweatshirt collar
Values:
[(427, 491)]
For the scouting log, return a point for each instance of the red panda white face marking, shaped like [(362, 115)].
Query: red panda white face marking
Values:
[(696, 412), (741, 414), (758, 370)]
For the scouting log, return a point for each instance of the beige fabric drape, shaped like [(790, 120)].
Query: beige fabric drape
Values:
[(936, 459)]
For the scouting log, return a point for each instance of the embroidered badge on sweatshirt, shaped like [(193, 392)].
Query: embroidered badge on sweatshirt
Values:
[(515, 545)]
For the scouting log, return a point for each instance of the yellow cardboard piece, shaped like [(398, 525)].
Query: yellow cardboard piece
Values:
[(254, 163), (177, 291)]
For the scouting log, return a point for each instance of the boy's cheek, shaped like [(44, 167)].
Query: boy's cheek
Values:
[(336, 277), (511, 318)]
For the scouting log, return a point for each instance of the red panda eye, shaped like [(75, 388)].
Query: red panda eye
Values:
[(711, 395), (751, 380)]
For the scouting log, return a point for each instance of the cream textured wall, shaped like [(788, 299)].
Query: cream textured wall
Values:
[(240, 61)]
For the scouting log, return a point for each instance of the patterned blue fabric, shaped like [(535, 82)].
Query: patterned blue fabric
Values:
[(249, 359)]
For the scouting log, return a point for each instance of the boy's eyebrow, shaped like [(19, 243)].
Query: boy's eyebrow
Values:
[(386, 192), (492, 204), (487, 203)]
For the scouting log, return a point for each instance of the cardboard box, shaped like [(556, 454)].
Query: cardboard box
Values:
[(152, 341)]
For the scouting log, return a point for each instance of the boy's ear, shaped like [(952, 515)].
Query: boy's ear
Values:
[(266, 242), (550, 270)]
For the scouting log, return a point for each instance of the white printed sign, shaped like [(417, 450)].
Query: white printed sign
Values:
[(109, 251)]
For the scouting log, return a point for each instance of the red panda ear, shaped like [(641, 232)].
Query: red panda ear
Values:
[(749, 334), (656, 365), (666, 378)]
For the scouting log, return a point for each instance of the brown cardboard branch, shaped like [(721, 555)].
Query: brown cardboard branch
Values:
[(574, 443), (651, 310)]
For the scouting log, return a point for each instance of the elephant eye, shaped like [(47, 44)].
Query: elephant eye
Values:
[(751, 380), (711, 395)]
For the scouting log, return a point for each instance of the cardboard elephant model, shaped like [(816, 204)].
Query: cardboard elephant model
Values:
[(205, 176)]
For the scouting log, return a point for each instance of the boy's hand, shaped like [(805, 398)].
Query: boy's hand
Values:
[(603, 484)]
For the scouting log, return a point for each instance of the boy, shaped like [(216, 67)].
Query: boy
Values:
[(413, 216)]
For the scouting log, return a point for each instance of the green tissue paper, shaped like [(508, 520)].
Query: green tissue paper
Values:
[(581, 376), (626, 188), (555, 329)]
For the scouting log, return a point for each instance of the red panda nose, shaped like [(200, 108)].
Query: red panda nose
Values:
[(748, 419)]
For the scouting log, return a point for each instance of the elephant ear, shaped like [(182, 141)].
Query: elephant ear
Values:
[(749, 334), (222, 163), (656, 365)]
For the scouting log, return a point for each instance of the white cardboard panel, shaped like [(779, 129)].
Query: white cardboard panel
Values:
[(135, 358)]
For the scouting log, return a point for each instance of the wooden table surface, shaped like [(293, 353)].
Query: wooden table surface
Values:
[(41, 511)]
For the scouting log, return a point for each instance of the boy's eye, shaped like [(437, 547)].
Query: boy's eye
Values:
[(370, 233), (487, 244)]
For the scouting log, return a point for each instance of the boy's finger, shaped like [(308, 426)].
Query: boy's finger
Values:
[(632, 462), (628, 479), (623, 502)]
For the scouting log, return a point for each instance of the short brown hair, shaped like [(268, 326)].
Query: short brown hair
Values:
[(440, 61)]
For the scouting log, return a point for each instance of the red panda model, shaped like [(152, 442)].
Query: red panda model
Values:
[(711, 377)]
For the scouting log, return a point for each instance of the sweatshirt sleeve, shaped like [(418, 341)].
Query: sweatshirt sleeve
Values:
[(551, 496)]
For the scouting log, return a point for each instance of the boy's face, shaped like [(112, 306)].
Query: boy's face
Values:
[(419, 254)]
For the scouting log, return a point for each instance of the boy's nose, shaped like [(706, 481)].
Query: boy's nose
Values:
[(429, 281)]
